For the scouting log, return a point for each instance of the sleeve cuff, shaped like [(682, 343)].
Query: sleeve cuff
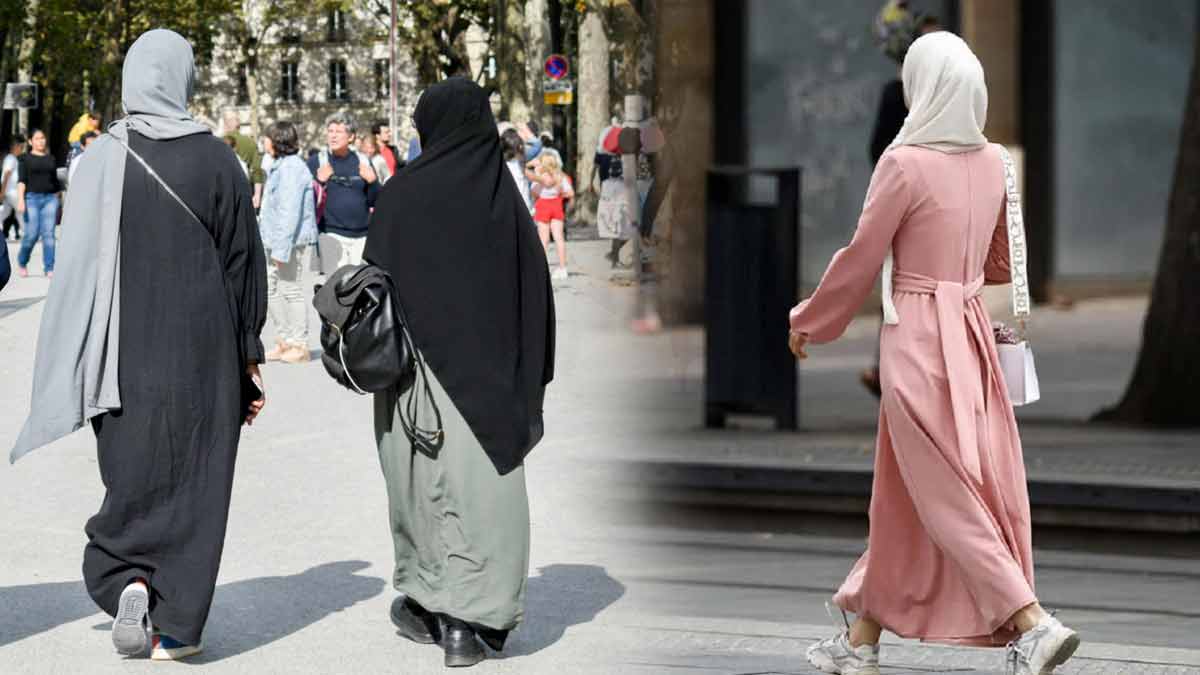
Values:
[(254, 349)]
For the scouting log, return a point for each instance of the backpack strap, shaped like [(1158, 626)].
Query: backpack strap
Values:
[(1017, 254)]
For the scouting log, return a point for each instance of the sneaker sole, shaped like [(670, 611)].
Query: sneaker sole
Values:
[(825, 664), (1065, 651), (174, 654), (129, 630)]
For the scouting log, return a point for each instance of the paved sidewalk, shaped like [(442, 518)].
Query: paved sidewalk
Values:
[(304, 582), (772, 648)]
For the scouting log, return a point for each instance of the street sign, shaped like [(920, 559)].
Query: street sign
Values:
[(20, 95), (557, 67), (558, 92)]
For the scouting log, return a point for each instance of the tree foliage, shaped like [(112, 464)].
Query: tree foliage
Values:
[(79, 46), (435, 32)]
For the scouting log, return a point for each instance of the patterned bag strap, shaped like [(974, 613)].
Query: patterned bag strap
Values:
[(1016, 240)]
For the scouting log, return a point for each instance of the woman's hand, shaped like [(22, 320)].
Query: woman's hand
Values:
[(796, 343), (256, 407), (21, 205)]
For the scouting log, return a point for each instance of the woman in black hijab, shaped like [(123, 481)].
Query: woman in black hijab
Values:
[(458, 241)]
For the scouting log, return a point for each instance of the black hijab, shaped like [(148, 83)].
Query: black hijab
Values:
[(455, 235)]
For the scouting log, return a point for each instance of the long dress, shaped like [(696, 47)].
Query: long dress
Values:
[(949, 555), (460, 530), (193, 301)]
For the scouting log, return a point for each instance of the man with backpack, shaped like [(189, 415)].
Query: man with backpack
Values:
[(346, 188)]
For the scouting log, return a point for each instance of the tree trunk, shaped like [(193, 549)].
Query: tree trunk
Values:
[(594, 105), (252, 94), (1167, 375), (537, 48), (511, 66)]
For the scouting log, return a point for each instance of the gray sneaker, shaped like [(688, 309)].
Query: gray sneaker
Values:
[(835, 655), (1042, 648)]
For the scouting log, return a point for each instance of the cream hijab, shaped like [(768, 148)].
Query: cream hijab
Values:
[(947, 107)]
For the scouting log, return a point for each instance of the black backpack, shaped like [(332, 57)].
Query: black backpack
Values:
[(366, 343)]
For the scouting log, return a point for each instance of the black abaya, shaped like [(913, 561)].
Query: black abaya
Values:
[(193, 302), (457, 239)]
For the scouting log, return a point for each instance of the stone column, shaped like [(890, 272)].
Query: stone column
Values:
[(992, 30), (685, 93)]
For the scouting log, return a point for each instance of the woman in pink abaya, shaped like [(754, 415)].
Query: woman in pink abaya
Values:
[(949, 556)]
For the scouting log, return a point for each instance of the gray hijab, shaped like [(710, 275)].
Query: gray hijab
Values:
[(75, 371)]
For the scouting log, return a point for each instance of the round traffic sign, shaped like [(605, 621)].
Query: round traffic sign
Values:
[(557, 66)]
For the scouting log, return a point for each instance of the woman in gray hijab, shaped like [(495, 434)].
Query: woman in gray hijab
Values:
[(162, 297)]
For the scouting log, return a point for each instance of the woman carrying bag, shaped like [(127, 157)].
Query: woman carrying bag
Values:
[(949, 556), (471, 280)]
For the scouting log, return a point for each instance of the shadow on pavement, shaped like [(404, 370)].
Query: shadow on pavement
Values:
[(12, 306), (561, 596), (26, 611), (253, 613)]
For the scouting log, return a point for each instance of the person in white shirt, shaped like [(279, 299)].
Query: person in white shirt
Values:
[(514, 155), (8, 185)]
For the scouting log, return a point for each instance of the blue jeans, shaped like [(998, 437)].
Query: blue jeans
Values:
[(41, 213)]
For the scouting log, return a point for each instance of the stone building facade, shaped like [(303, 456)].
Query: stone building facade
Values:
[(312, 67)]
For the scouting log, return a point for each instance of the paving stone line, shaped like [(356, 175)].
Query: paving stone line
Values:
[(926, 658)]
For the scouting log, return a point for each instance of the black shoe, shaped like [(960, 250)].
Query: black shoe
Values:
[(459, 641), (413, 621)]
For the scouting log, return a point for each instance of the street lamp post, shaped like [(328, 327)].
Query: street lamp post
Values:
[(392, 117)]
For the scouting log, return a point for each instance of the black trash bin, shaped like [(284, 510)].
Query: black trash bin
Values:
[(751, 279)]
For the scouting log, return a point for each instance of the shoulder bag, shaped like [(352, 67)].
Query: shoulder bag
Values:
[(367, 346), (1016, 356)]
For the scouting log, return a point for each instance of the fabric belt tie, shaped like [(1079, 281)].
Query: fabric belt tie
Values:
[(950, 301)]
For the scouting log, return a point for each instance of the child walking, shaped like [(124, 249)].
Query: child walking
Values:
[(551, 188)]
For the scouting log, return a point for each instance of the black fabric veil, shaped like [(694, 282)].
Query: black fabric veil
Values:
[(454, 234)]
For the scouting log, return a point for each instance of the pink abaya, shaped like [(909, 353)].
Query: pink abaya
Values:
[(949, 555)]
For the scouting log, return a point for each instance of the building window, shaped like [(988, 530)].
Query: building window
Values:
[(289, 83), (339, 81), (243, 88), (337, 25), (383, 79)]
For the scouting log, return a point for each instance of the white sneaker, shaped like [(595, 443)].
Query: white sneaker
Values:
[(130, 628), (835, 655), (167, 648), (560, 274), (1041, 648)]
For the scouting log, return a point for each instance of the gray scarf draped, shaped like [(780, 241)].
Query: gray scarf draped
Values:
[(75, 371)]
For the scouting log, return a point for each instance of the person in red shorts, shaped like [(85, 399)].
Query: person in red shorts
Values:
[(551, 188)]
